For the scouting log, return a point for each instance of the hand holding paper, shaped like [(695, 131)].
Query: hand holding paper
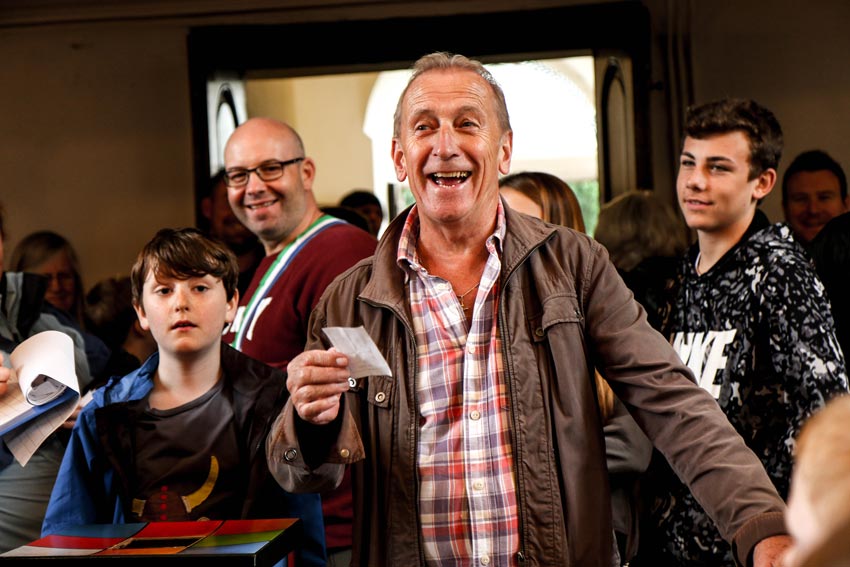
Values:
[(317, 378), (43, 392), (364, 358)]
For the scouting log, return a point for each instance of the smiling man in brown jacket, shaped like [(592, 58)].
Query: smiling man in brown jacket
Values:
[(485, 445)]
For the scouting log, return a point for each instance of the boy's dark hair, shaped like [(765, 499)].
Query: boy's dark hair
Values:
[(814, 160), (756, 122), (184, 253)]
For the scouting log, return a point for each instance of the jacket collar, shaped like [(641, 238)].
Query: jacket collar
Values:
[(759, 223), (386, 285), (243, 375), (253, 375), (524, 234)]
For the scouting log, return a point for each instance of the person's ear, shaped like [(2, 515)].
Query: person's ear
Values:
[(142, 319), (308, 173), (764, 184), (397, 154), (137, 328), (506, 152), (232, 305)]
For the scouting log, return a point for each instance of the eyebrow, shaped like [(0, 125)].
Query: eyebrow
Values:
[(471, 109), (466, 110), (711, 159), (716, 159), (417, 114)]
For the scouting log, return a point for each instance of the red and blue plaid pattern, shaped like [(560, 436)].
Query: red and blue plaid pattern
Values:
[(467, 498)]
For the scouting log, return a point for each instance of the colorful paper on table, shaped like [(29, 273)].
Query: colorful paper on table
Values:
[(240, 542)]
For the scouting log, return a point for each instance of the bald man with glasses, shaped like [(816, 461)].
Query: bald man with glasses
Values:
[(269, 180)]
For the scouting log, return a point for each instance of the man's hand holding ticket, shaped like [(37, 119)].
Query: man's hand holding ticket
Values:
[(364, 358), (317, 378)]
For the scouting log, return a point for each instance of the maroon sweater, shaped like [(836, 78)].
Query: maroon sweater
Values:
[(280, 330)]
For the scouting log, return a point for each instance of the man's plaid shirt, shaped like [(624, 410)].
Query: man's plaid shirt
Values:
[(467, 498)]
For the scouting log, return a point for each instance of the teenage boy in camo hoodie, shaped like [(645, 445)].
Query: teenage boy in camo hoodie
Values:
[(751, 318)]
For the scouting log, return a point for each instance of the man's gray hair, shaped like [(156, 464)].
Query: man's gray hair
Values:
[(443, 61)]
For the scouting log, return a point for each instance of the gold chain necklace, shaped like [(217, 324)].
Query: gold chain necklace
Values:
[(464, 294)]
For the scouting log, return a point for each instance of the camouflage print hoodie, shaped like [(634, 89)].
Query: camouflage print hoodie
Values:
[(757, 331)]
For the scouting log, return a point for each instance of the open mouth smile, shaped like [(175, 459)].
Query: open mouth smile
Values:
[(449, 178), (263, 205)]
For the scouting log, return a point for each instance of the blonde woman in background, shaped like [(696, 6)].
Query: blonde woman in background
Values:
[(627, 449), (51, 255)]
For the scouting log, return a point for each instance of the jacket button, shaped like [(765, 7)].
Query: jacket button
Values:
[(290, 455), (352, 383), (380, 397), (344, 453), (538, 331)]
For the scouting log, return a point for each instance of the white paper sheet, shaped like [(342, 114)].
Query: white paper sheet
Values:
[(364, 358), (46, 354)]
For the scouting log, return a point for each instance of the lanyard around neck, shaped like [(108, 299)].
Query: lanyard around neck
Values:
[(283, 260)]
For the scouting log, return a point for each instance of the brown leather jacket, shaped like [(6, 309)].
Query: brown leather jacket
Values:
[(563, 310)]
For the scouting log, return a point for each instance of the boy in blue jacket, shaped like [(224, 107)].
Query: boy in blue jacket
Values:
[(182, 438)]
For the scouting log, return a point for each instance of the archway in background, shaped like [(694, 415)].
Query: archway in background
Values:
[(275, 50)]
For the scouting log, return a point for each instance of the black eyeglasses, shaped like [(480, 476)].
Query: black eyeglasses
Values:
[(268, 171)]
